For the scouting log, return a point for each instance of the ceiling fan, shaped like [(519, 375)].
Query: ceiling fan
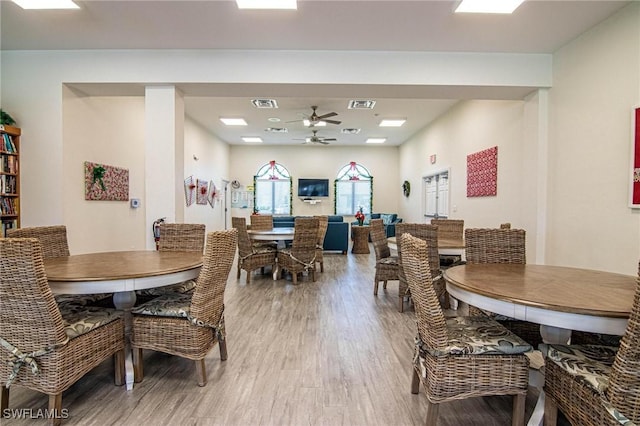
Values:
[(316, 139), (314, 118)]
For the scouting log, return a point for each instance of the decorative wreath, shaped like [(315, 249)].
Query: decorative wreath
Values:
[(406, 188)]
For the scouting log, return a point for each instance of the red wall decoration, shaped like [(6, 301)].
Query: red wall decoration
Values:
[(106, 183), (482, 173), (635, 167)]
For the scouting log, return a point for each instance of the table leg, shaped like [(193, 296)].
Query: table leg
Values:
[(124, 301), (536, 378)]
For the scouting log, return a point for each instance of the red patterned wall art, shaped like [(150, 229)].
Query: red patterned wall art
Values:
[(635, 159), (482, 173), (105, 183)]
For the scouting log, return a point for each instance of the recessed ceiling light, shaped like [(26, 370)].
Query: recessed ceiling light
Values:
[(488, 6), (276, 130), (46, 4), (361, 104), (392, 123), (233, 121), (264, 103), (318, 124), (376, 140), (351, 131), (273, 119), (252, 139), (266, 4)]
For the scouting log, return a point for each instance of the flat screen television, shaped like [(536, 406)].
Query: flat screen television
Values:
[(313, 188)]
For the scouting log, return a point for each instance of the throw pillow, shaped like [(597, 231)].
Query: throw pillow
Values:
[(387, 219)]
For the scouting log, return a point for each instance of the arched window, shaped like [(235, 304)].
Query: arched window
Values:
[(272, 189), (354, 189)]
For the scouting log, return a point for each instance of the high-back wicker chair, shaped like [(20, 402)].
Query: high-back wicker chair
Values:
[(189, 324), (494, 245), (52, 238), (301, 256), (182, 237), (251, 257), (449, 229), (596, 385), (42, 348), (428, 233), (387, 266), (323, 224), (460, 357), (500, 245), (176, 237), (54, 243), (261, 222)]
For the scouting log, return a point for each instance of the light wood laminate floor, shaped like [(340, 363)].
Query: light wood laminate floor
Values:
[(323, 353)]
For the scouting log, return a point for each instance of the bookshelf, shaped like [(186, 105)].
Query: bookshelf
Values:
[(9, 178)]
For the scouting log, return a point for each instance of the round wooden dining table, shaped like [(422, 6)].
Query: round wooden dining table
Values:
[(121, 273), (558, 298)]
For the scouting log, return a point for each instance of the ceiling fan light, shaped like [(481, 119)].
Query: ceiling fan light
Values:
[(318, 124)]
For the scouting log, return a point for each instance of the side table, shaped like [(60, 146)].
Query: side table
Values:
[(360, 239)]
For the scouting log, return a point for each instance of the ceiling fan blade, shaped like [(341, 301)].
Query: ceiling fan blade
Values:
[(324, 142), (332, 121), (330, 139), (331, 114)]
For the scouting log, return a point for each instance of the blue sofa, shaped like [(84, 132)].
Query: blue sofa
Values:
[(389, 219), (336, 239)]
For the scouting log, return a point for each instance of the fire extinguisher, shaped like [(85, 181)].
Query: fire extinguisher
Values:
[(156, 230)]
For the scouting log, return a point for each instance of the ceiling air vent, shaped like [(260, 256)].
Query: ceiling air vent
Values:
[(350, 131), (264, 103), (361, 104), (276, 130)]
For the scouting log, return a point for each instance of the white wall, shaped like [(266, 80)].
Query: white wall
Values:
[(596, 86), (212, 164), (321, 162), (469, 127), (105, 130)]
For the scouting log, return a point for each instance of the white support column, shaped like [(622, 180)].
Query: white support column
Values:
[(164, 156), (543, 179)]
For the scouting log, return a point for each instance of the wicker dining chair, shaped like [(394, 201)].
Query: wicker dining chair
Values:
[(42, 347), (449, 229), (596, 385), (500, 245), (251, 257), (53, 240), (323, 224), (428, 233), (460, 357), (261, 222), (301, 257), (188, 324), (176, 237), (387, 266)]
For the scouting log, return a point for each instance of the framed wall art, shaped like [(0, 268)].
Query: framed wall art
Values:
[(105, 183), (482, 173), (634, 179)]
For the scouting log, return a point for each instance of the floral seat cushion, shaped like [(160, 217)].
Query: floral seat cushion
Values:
[(174, 305), (79, 319), (478, 336), (80, 299), (590, 364), (183, 287), (391, 260)]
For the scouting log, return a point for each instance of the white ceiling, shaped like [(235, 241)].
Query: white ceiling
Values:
[(415, 25)]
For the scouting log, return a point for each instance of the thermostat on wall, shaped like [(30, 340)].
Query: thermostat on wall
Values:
[(135, 203)]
